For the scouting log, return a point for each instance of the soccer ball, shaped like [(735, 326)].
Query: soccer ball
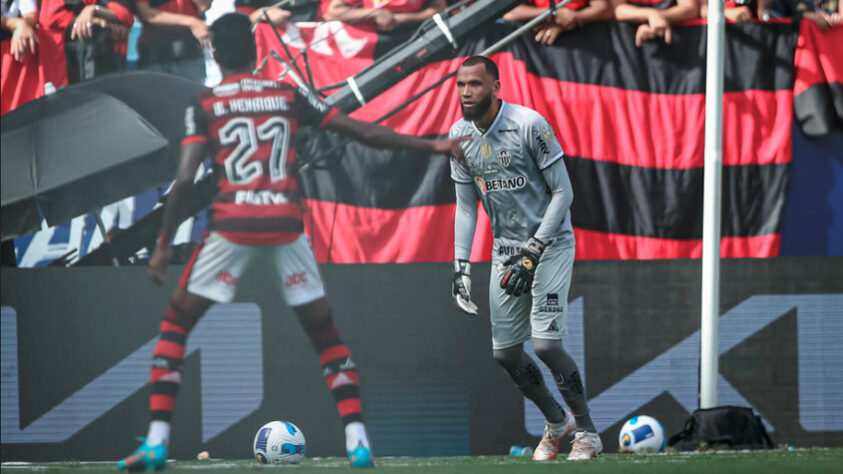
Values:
[(279, 442), (641, 434)]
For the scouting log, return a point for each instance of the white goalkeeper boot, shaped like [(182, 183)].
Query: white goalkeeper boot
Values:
[(553, 435), (587, 446)]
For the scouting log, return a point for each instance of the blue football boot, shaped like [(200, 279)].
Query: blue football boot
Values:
[(145, 457), (361, 457)]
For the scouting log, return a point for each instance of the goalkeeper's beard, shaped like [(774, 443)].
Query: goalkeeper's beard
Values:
[(480, 109)]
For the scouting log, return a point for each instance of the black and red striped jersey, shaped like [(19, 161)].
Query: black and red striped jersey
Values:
[(250, 125), (184, 7), (657, 4)]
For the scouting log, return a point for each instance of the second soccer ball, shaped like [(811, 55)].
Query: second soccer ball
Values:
[(641, 434)]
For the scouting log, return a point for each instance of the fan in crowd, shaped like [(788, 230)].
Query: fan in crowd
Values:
[(18, 28), (173, 37), (279, 13), (19, 49), (825, 14), (572, 15), (740, 11), (655, 17), (86, 39), (385, 15), (259, 10)]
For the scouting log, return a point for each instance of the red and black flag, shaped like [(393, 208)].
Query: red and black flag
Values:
[(631, 122), (818, 82)]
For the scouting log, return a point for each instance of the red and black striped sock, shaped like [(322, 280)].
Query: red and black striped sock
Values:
[(338, 369), (165, 375)]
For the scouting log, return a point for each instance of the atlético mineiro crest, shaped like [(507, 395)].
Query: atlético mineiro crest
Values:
[(504, 157)]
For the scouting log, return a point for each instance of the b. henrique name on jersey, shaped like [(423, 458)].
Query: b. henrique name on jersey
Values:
[(251, 105), (250, 126)]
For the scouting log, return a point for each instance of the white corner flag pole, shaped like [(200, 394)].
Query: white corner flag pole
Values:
[(711, 206)]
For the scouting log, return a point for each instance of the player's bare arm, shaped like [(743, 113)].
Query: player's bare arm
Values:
[(523, 13), (431, 8), (382, 18), (683, 10), (277, 16), (154, 16), (177, 207), (383, 137), (24, 39), (658, 22)]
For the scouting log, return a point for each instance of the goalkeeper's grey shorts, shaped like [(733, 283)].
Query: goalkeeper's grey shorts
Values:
[(540, 313)]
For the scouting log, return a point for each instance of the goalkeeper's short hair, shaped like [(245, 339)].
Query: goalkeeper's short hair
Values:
[(491, 67), (233, 41)]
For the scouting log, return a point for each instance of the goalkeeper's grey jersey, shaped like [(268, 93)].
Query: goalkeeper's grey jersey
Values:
[(505, 165)]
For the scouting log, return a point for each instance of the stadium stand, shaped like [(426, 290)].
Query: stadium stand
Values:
[(342, 53)]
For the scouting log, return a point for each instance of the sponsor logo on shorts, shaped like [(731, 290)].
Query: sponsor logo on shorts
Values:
[(504, 157), (550, 309), (226, 278), (552, 299), (295, 279), (507, 250)]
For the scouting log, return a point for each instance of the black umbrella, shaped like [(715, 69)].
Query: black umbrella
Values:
[(88, 145)]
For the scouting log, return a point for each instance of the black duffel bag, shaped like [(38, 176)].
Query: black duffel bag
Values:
[(726, 427)]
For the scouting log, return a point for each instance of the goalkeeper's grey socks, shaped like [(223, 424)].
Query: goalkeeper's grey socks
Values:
[(568, 380), (528, 379)]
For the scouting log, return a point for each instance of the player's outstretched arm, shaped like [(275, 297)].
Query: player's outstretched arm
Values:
[(177, 208), (378, 136)]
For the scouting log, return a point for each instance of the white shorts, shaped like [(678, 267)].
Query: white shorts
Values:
[(540, 313), (218, 264)]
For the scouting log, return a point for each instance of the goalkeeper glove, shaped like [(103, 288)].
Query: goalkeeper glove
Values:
[(520, 268), (461, 287)]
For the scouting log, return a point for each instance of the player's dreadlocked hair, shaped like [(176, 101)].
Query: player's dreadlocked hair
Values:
[(491, 67), (234, 44)]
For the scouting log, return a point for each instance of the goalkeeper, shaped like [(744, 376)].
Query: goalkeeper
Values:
[(514, 166)]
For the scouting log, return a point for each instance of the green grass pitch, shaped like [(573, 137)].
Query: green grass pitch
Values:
[(807, 461)]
